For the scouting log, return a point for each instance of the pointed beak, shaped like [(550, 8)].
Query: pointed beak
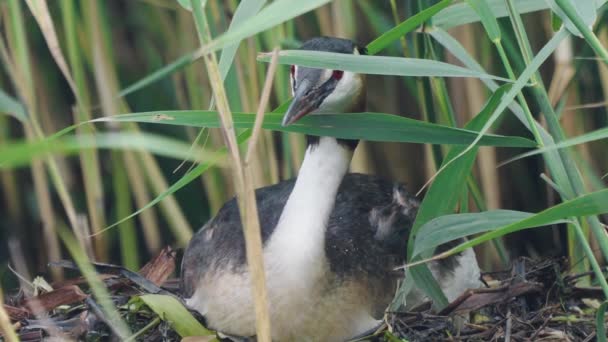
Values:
[(301, 105)]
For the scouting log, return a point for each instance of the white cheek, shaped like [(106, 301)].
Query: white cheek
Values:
[(341, 99)]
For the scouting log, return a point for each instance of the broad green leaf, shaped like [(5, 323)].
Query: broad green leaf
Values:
[(377, 65), (594, 203), (442, 197), (508, 98), (581, 139), (406, 26), (424, 280), (11, 106), (19, 154), (443, 194), (552, 158), (488, 19), (461, 13), (368, 126), (600, 322), (451, 227), (173, 312)]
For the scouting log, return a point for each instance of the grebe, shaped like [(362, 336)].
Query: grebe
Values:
[(331, 239)]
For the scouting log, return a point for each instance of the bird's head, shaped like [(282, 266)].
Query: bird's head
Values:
[(325, 91)]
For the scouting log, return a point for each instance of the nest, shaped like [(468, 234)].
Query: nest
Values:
[(533, 301)]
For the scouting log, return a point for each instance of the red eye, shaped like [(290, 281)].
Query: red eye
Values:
[(292, 69), (337, 74)]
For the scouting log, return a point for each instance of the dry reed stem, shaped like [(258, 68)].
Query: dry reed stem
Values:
[(252, 228), (141, 196), (106, 79), (24, 88), (246, 199), (42, 15), (564, 71), (247, 205), (259, 118), (24, 83), (6, 329), (603, 73), (81, 110)]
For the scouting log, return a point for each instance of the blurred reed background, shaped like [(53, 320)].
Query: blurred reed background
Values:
[(108, 45)]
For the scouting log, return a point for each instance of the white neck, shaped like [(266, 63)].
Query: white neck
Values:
[(299, 238)]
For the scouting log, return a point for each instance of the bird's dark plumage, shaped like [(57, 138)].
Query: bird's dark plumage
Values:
[(331, 239), (365, 210), (332, 44)]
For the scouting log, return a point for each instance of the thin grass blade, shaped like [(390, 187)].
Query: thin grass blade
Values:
[(159, 74), (245, 10), (97, 286), (276, 13), (488, 20), (183, 181), (600, 322), (460, 13), (508, 98), (581, 139), (406, 26), (14, 155)]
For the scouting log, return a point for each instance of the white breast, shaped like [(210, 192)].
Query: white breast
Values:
[(306, 301), (465, 276)]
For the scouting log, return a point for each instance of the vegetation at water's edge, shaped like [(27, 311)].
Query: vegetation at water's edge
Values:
[(531, 79)]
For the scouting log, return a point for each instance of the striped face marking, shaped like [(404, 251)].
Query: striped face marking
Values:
[(324, 91), (325, 76)]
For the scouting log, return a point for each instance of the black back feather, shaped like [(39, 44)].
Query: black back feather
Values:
[(353, 246)]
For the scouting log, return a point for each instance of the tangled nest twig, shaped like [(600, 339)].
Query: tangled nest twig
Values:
[(531, 302)]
